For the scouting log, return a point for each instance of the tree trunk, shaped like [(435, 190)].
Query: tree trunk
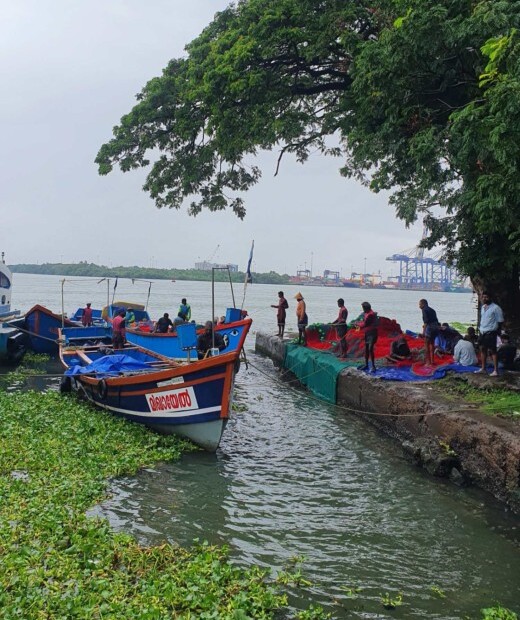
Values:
[(505, 292)]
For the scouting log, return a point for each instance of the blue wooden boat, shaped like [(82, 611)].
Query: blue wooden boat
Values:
[(169, 344), (41, 327), (12, 344), (190, 399), (96, 316)]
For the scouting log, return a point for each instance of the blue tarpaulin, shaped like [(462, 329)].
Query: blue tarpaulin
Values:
[(108, 365)]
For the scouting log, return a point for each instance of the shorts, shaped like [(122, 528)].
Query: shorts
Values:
[(118, 340), (341, 330), (303, 323), (370, 338), (431, 332), (488, 340)]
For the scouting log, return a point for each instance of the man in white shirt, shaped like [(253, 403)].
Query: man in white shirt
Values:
[(491, 319), (464, 353)]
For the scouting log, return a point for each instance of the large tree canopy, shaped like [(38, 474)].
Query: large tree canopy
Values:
[(419, 97)]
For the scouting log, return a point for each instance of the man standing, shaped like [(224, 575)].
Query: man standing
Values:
[(491, 319), (430, 330), (118, 330), (341, 328), (184, 310), (86, 317), (281, 313), (302, 318)]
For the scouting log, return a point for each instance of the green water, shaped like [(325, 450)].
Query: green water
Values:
[(297, 477)]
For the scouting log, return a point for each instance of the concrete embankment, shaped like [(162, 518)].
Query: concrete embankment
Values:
[(449, 438)]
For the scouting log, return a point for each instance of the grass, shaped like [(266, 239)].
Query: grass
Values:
[(56, 455), (494, 401)]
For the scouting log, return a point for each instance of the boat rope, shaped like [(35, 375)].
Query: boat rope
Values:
[(310, 395), (26, 331)]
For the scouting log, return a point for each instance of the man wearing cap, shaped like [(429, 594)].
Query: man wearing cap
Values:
[(86, 317), (302, 318)]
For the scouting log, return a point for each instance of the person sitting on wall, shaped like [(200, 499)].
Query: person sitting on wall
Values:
[(464, 352), (163, 324), (399, 350), (208, 340), (506, 353)]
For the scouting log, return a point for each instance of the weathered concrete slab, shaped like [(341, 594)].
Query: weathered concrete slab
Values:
[(447, 438)]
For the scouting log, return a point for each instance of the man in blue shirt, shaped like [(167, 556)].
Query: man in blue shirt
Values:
[(491, 319)]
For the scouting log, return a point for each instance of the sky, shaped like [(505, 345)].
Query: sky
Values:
[(69, 70)]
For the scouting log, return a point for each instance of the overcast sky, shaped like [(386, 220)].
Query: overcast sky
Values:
[(69, 70)]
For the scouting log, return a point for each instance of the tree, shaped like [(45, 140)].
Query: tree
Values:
[(420, 98)]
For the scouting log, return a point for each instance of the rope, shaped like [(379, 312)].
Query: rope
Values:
[(26, 331), (363, 411)]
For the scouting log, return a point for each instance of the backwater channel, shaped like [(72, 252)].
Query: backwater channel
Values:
[(295, 476)]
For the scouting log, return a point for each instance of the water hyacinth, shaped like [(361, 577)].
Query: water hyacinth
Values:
[(56, 455)]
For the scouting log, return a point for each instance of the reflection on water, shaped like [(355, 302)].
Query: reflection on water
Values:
[(296, 477)]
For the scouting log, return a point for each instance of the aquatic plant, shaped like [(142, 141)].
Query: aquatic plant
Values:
[(391, 602), (56, 455), (35, 358), (438, 592), (313, 613), (351, 591), (498, 613)]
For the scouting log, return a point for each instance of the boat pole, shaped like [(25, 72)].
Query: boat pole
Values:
[(62, 304), (231, 285), (213, 307)]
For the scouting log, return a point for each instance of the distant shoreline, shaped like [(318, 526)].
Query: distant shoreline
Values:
[(102, 271)]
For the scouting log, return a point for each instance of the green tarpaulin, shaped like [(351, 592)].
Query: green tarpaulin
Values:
[(315, 369)]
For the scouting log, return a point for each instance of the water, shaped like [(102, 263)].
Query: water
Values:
[(297, 477)]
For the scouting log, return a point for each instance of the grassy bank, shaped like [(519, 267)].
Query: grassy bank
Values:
[(495, 400), (56, 455)]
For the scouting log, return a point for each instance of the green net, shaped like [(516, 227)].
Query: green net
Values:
[(315, 369)]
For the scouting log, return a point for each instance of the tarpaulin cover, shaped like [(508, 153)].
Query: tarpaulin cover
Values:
[(317, 366), (317, 370), (419, 372), (108, 365)]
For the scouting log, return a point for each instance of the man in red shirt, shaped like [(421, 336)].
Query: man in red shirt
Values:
[(118, 330), (86, 317)]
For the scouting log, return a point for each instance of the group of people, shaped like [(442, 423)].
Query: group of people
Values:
[(368, 322), (207, 341), (164, 324), (440, 339)]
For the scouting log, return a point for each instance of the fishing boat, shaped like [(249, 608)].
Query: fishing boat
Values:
[(97, 319), (233, 332), (12, 345), (41, 327), (191, 398)]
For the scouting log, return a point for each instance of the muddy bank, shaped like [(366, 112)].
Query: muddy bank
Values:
[(449, 438)]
